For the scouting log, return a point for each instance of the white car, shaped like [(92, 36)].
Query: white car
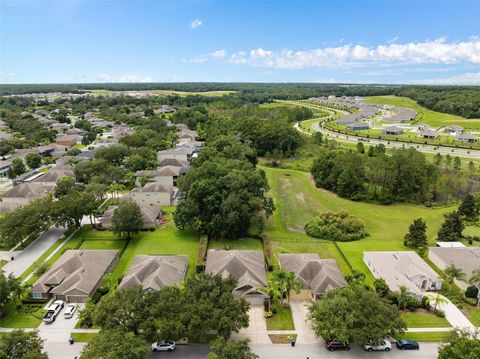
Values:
[(385, 346), (52, 311), (70, 311), (164, 346)]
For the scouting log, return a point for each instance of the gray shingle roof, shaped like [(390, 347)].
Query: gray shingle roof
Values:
[(465, 258)]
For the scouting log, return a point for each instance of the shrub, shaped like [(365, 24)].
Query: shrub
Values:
[(440, 313), (413, 304), (471, 292), (336, 226), (41, 269)]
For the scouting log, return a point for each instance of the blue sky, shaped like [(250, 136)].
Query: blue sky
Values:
[(68, 41)]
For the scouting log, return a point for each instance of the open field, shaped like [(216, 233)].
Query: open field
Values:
[(297, 200), (187, 93), (434, 119), (424, 320)]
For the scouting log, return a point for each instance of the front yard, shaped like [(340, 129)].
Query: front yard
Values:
[(24, 316), (281, 320), (424, 320)]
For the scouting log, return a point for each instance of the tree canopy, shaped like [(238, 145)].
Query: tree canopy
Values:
[(339, 226)]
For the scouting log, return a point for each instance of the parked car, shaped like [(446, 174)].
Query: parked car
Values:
[(163, 346), (52, 311), (385, 346), (69, 311), (333, 345), (407, 345)]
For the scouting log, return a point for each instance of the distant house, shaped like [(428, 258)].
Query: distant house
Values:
[(166, 175), (151, 216), (422, 127), (246, 266), (152, 194), (186, 133), (186, 142), (68, 140), (174, 162), (454, 129), (153, 272), (428, 134), (26, 192), (465, 258), (357, 126), (182, 154), (4, 167), (51, 177), (403, 269), (393, 130), (466, 137), (317, 276), (164, 109), (75, 276)]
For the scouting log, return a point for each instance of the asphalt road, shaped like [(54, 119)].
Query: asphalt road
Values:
[(310, 351)]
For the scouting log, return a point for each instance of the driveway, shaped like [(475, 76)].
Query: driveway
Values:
[(452, 313), (25, 258), (60, 329), (303, 326), (257, 328)]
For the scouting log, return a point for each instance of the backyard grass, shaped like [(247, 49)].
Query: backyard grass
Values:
[(424, 320), (422, 336), (244, 243), (282, 320), (83, 337), (297, 200), (435, 119)]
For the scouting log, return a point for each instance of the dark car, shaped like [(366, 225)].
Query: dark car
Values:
[(333, 345), (407, 345)]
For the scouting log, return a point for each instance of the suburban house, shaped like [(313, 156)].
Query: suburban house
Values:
[(422, 127), (164, 109), (153, 272), (357, 126), (166, 175), (75, 276), (187, 134), (53, 175), (466, 137), (246, 266), (403, 269), (455, 129), (26, 192), (152, 194), (185, 142), (151, 216), (182, 154), (68, 140), (175, 162), (465, 258), (393, 130), (428, 134), (317, 276)]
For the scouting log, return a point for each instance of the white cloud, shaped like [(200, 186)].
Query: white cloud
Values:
[(215, 55), (196, 23), (7, 74), (123, 78), (469, 78), (428, 52)]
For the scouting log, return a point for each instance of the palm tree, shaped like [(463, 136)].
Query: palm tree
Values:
[(273, 291), (402, 297), (453, 273), (280, 277), (475, 281), (436, 301), (291, 283)]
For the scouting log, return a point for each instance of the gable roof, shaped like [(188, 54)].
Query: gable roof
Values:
[(54, 175), (246, 266), (150, 215), (465, 258), (29, 190), (155, 187), (153, 272), (77, 272), (318, 275)]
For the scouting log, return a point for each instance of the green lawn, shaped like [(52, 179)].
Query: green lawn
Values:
[(297, 200), (244, 243), (25, 317), (435, 119), (422, 336), (2, 263), (83, 337), (282, 320), (474, 315), (424, 320)]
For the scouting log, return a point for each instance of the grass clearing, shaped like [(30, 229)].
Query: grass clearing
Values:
[(424, 320), (297, 200), (282, 320)]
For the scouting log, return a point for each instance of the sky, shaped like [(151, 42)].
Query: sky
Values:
[(78, 41)]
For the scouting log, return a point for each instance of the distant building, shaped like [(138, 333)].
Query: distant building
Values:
[(466, 137), (428, 134), (393, 131), (455, 129), (358, 126)]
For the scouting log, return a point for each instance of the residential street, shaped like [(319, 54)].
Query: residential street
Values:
[(25, 258)]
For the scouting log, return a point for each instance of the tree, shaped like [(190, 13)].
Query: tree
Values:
[(127, 219), (436, 300), (273, 291), (286, 282), (356, 278), (402, 297), (475, 281), (22, 345), (66, 185), (17, 168), (360, 147), (438, 160), (452, 228), (460, 343), (453, 273), (469, 208), (381, 287), (417, 234), (10, 287), (355, 315), (230, 349), (114, 344), (70, 208), (33, 160), (333, 226), (457, 163), (114, 154)]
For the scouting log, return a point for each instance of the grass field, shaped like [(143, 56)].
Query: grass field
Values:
[(435, 119), (297, 200), (424, 320), (422, 336), (25, 317), (282, 320), (186, 93), (244, 243)]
